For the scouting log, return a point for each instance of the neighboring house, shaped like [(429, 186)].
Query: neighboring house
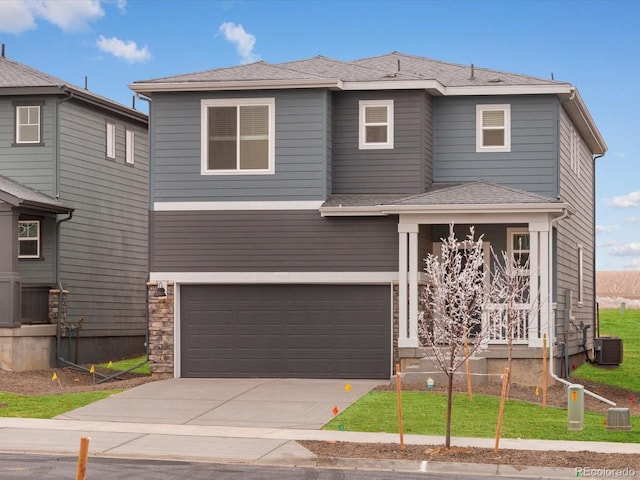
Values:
[(292, 205), (73, 223)]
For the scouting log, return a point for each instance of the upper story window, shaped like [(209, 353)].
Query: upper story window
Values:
[(111, 140), (28, 124), (238, 136), (574, 153), (376, 124), (130, 147), (493, 128), (29, 238)]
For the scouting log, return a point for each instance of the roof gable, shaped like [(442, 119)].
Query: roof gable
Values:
[(18, 195)]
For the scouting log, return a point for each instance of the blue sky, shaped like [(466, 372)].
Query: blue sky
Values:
[(591, 44)]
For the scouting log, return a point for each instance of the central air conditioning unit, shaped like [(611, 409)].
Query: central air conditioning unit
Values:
[(607, 350)]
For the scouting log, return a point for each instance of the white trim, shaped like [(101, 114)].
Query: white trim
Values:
[(222, 206), (19, 126), (177, 340), (480, 129), (206, 103), (580, 275), (362, 135), (130, 146), (110, 148), (37, 239), (511, 231), (361, 278), (403, 255)]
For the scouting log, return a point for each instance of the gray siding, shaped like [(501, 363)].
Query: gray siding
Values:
[(104, 247), (247, 241), (402, 169), (33, 166), (532, 163), (576, 189), (301, 150), (41, 271)]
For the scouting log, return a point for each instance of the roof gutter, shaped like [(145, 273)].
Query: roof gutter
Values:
[(195, 86)]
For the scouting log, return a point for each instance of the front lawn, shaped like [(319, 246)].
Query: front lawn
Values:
[(47, 406)]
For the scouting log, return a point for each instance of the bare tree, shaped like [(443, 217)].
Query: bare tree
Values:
[(455, 294)]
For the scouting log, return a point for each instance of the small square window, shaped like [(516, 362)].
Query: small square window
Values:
[(29, 238), (28, 124), (376, 124), (493, 128)]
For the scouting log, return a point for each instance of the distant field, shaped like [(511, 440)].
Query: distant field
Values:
[(615, 287)]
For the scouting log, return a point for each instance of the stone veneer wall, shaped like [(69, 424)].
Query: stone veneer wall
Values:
[(161, 329), (57, 309)]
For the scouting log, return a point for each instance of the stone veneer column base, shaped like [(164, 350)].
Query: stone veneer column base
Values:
[(161, 329)]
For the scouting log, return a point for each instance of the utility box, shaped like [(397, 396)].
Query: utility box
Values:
[(607, 350), (618, 419), (575, 407)]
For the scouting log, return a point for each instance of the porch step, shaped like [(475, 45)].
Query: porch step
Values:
[(426, 368)]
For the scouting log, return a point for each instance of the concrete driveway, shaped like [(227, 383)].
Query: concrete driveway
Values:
[(270, 403)]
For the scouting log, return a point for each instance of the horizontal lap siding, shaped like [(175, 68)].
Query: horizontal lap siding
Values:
[(301, 150), (532, 163), (104, 247), (398, 170), (245, 241)]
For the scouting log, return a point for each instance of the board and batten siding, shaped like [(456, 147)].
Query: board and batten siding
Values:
[(577, 190), (300, 150), (30, 165), (104, 247), (532, 163), (272, 241), (401, 169)]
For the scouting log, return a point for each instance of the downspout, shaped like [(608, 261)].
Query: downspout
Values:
[(596, 310), (552, 318)]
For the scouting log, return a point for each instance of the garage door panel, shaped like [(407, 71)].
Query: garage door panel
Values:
[(313, 331)]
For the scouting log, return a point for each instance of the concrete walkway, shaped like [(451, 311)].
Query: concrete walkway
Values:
[(245, 421)]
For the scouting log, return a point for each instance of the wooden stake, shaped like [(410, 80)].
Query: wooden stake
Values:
[(505, 381), (399, 406), (544, 371), (466, 354), (81, 472)]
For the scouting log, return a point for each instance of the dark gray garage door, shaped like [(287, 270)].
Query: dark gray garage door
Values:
[(305, 331)]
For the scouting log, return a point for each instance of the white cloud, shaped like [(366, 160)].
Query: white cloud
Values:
[(127, 51), (243, 41), (605, 228), (16, 16), (632, 220), (626, 250), (120, 4), (625, 201)]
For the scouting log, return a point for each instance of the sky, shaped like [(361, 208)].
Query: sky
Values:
[(593, 45)]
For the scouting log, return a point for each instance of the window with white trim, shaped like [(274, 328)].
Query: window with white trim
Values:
[(574, 153), (376, 124), (130, 147), (29, 238), (238, 136), (580, 275), (28, 125), (111, 140), (493, 128), (519, 246)]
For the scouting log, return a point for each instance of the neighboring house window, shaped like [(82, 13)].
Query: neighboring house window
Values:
[(519, 248), (238, 136), (28, 124), (111, 140), (376, 124), (580, 275), (493, 128), (29, 238), (130, 147)]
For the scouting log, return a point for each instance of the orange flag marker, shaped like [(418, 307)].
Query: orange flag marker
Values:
[(335, 410)]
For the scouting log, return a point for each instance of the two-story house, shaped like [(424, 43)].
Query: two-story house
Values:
[(292, 205), (73, 223)]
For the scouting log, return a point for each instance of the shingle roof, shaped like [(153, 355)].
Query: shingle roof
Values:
[(17, 195), (390, 67)]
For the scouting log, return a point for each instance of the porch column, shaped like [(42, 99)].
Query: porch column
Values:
[(408, 285), (539, 282), (10, 280)]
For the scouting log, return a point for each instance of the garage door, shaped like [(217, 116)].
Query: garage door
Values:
[(304, 331)]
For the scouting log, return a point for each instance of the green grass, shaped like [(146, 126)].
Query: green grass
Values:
[(627, 375), (122, 365), (425, 412), (47, 406)]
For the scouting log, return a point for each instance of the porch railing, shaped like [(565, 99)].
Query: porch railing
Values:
[(496, 321)]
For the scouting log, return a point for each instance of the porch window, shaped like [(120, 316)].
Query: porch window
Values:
[(238, 136), (29, 238), (376, 124), (493, 128), (28, 124), (519, 246)]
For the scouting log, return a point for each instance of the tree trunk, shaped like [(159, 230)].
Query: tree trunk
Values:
[(447, 442)]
